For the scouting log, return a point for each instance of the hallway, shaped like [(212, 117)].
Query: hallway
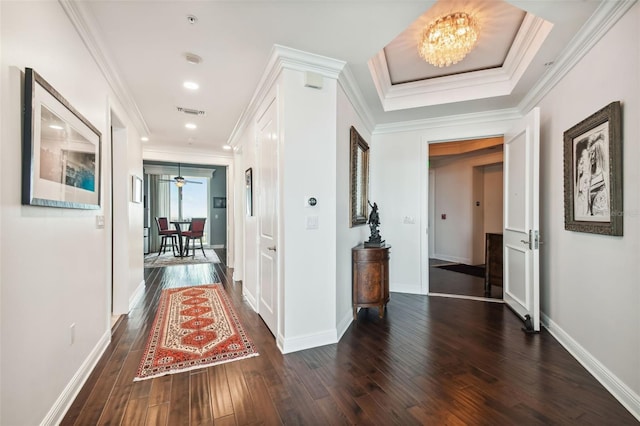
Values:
[(429, 361)]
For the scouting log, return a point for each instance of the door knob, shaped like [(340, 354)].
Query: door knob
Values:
[(272, 248)]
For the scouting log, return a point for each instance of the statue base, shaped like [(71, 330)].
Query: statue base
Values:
[(374, 243)]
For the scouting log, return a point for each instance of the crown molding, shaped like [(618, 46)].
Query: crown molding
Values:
[(467, 86), (603, 19), (184, 155), (350, 86), (281, 58), (456, 121), (83, 23)]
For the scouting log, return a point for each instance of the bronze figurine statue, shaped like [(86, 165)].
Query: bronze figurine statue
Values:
[(375, 240)]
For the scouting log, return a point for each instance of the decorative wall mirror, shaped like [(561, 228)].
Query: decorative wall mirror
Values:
[(359, 166)]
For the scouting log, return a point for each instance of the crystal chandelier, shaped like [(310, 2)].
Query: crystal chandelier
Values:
[(448, 39)]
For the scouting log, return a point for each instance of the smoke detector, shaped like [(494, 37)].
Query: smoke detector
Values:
[(192, 19), (192, 58)]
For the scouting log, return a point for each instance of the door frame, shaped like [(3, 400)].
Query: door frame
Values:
[(497, 126)]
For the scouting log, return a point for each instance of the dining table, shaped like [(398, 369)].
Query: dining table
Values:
[(178, 225)]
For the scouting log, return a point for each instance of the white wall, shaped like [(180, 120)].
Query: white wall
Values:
[(395, 181), (55, 263), (308, 168), (589, 283), (346, 237), (454, 236)]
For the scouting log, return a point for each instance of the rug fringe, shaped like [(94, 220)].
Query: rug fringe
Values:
[(195, 367)]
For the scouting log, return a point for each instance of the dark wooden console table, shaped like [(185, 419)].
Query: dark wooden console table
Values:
[(370, 271)]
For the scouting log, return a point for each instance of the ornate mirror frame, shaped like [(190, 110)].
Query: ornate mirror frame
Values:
[(359, 178)]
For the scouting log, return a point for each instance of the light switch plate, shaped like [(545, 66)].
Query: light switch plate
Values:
[(312, 222), (100, 222)]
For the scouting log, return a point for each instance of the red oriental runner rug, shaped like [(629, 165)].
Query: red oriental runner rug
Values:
[(195, 327)]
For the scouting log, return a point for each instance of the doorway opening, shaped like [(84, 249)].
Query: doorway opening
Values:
[(465, 212), (204, 195)]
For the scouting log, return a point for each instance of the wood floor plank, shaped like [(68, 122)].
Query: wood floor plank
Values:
[(430, 360), (240, 397), (200, 400), (221, 403), (180, 400), (136, 412), (158, 415), (160, 392)]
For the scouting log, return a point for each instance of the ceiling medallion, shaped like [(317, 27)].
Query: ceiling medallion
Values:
[(448, 39)]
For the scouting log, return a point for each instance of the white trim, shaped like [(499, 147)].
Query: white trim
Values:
[(405, 288), (459, 296), (68, 395), (351, 89), (283, 57), (603, 19), (344, 324), (300, 343), (184, 155), (499, 81), (136, 296), (454, 259), (616, 387), (250, 299), (84, 24), (488, 118)]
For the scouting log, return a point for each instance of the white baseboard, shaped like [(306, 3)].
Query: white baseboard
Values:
[(137, 295), (237, 275), (68, 395), (405, 288), (251, 300), (344, 323), (217, 246), (454, 259), (627, 397), (294, 344)]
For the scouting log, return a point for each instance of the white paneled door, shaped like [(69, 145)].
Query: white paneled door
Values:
[(267, 217), (521, 277)]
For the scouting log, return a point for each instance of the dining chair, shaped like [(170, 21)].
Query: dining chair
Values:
[(196, 231), (165, 232)]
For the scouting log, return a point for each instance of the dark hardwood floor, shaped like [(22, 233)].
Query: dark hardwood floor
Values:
[(456, 283), (429, 361)]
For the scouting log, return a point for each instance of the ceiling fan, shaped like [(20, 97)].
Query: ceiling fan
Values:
[(179, 180)]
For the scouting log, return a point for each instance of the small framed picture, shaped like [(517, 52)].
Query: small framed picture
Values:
[(219, 202), (248, 184), (593, 173), (136, 189)]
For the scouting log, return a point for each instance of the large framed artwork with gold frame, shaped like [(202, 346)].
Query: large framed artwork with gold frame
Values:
[(359, 178)]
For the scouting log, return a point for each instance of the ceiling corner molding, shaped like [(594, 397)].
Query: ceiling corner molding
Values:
[(466, 86), (83, 23), (350, 86), (529, 39), (185, 155), (283, 57), (604, 18), (451, 121)]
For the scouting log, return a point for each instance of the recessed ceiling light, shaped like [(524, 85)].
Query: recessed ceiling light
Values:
[(55, 126), (190, 126), (191, 85), (144, 139), (226, 147), (192, 19)]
